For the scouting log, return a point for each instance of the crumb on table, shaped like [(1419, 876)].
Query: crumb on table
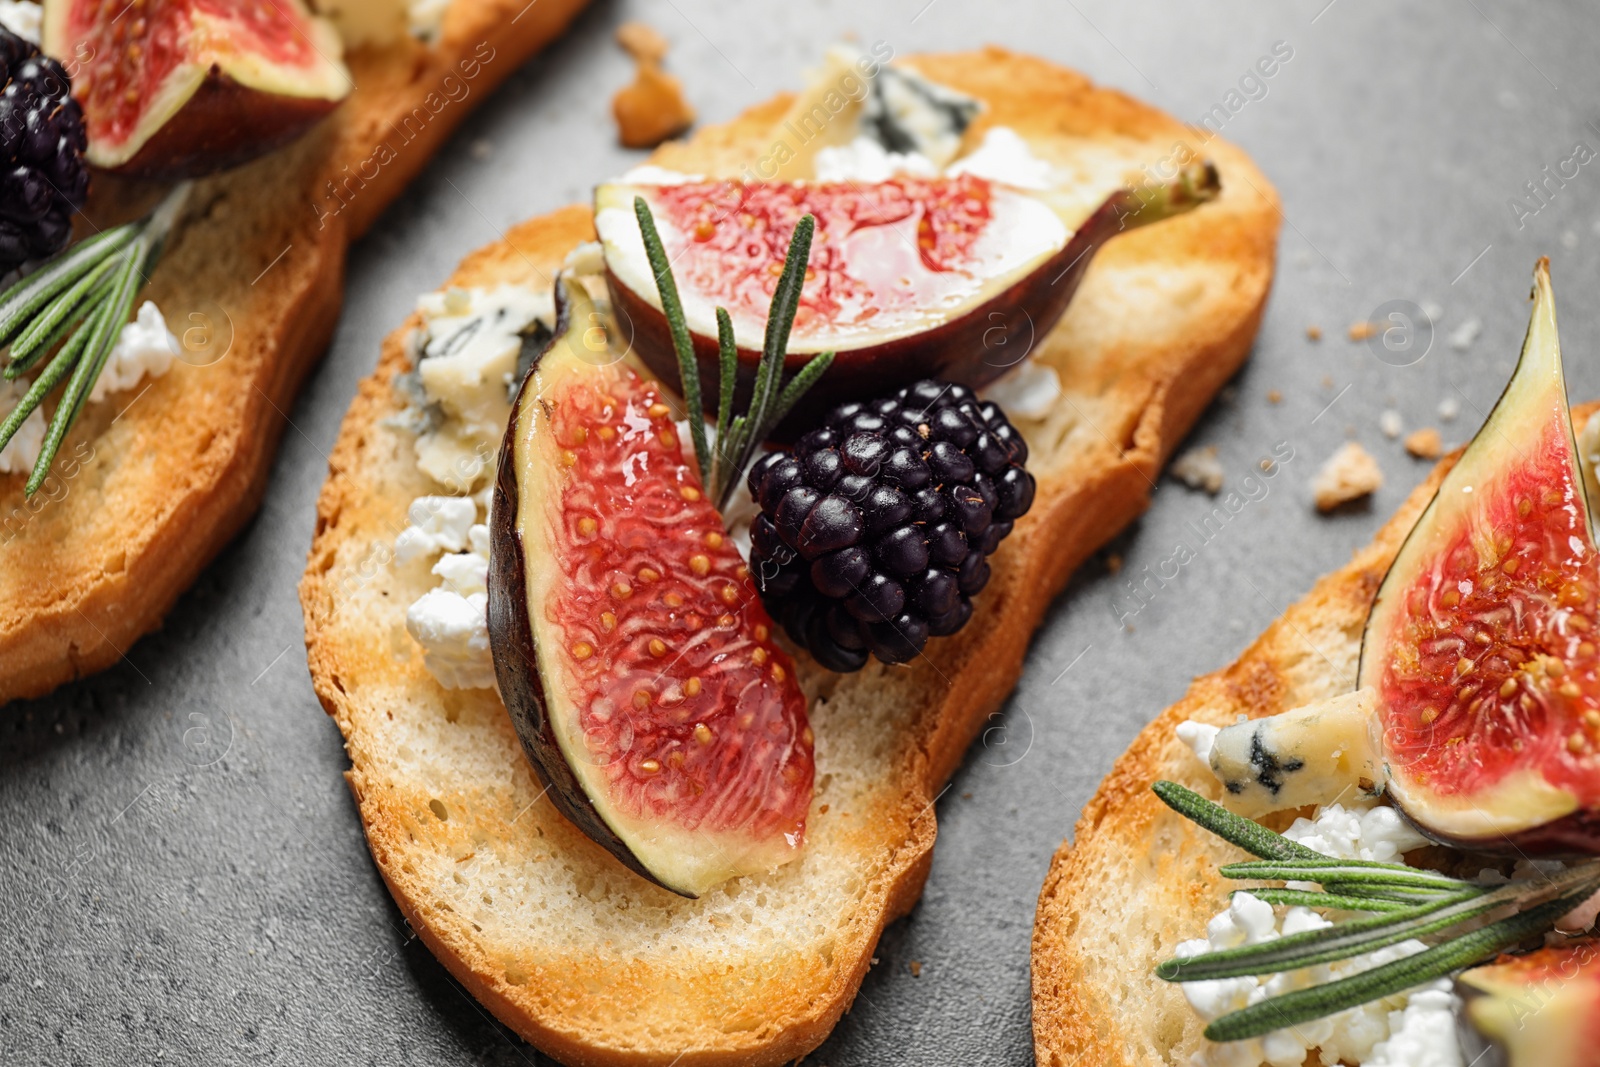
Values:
[(1199, 468), (1360, 331), (1313, 332), (1274, 396), (1425, 443), (1349, 474), (653, 108)]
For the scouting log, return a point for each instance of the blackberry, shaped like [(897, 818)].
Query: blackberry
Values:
[(43, 178), (875, 530)]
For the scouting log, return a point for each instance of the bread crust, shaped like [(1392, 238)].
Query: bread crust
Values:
[(1136, 878), (1136, 381), (150, 485)]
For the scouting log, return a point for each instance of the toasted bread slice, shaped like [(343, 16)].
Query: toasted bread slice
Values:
[(1137, 878), (150, 485), (590, 962)]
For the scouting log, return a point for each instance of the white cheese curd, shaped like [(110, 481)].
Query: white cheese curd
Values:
[(438, 524), (23, 18), (1423, 1034), (453, 631), (1359, 832), (424, 17), (450, 621), (1003, 156), (865, 160), (145, 347), (650, 174), (22, 451), (467, 355), (1199, 736), (1029, 390), (1356, 1036)]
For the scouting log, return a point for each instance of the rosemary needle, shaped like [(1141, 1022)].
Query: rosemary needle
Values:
[(77, 304), (1404, 902), (737, 436)]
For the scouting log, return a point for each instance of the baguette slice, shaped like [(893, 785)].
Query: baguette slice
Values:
[(1138, 878), (590, 962), (150, 485)]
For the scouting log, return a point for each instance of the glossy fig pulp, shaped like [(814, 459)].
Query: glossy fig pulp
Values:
[(1481, 643), (1537, 1010), (182, 88), (910, 278), (630, 645)]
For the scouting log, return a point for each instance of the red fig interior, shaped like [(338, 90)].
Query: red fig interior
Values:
[(1481, 641), (631, 647), (180, 88)]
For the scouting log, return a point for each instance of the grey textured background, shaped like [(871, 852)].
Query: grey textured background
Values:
[(183, 879)]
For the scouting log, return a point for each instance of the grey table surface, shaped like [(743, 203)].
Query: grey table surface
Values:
[(183, 878)]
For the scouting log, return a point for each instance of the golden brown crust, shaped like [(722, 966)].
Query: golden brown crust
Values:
[(1135, 382), (149, 486), (1136, 878)]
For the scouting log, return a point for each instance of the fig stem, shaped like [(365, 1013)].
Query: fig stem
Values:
[(682, 343), (1157, 201)]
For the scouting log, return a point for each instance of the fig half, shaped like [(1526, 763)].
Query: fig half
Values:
[(1537, 1010), (630, 645), (183, 88), (910, 278), (1481, 645)]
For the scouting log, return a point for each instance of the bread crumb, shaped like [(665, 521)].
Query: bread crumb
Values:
[(1462, 336), (1425, 443), (1327, 381), (642, 42), (1360, 331), (1199, 468), (1389, 422), (1114, 563), (966, 796), (653, 108), (482, 148), (1449, 408), (1313, 332), (1274, 397), (1349, 474), (915, 967)]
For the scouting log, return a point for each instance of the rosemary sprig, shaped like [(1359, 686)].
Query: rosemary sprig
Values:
[(83, 295), (737, 436), (1404, 903)]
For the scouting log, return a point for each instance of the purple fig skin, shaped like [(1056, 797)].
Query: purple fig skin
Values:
[(953, 351), (512, 643)]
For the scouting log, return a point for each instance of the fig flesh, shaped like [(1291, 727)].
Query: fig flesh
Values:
[(1481, 645), (910, 278), (630, 645), (183, 88), (1537, 1010)]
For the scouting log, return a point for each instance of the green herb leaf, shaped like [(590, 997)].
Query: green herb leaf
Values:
[(1407, 903), (83, 295), (1330, 998), (1235, 829), (1307, 898), (682, 342)]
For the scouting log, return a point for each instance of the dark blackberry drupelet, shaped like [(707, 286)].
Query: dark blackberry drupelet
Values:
[(43, 178), (875, 530)]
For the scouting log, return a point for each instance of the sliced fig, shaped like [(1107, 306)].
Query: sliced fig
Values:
[(1537, 1010), (908, 277), (1481, 644), (630, 645), (183, 88)]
